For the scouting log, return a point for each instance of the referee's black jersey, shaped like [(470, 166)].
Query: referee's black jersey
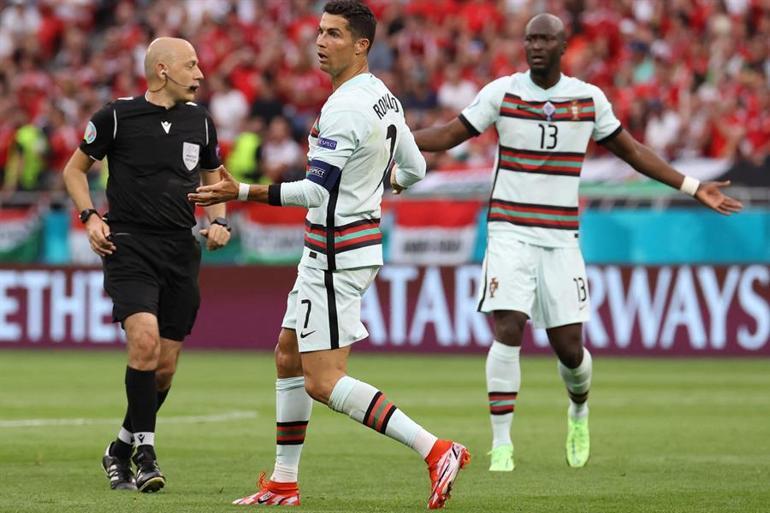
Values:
[(155, 156)]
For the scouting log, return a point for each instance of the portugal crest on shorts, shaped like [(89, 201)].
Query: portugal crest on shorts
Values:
[(190, 154), (493, 284)]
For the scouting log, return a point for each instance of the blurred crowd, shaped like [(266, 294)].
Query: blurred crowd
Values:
[(688, 77)]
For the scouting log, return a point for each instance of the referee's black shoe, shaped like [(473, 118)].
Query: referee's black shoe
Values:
[(149, 478), (118, 471)]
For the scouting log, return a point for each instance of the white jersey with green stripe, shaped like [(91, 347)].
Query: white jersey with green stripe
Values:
[(361, 131), (543, 136)]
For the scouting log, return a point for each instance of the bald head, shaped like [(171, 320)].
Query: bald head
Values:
[(548, 24), (171, 69), (545, 43), (166, 51)]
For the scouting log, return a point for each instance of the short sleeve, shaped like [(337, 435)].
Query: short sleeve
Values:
[(339, 134), (606, 124), (210, 158), (100, 132), (485, 108)]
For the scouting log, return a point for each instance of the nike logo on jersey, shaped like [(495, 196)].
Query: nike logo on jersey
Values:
[(166, 125), (303, 335)]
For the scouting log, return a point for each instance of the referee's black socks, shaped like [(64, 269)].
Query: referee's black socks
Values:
[(142, 395), (123, 448)]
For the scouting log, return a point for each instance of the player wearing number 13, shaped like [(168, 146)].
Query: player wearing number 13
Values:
[(360, 132), (533, 267)]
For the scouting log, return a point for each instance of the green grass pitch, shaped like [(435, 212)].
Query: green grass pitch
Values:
[(667, 435)]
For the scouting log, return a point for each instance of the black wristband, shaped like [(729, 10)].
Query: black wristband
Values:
[(274, 194)]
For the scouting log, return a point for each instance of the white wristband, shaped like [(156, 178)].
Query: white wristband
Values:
[(689, 185), (243, 191)]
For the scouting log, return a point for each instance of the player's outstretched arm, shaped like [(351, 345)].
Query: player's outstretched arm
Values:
[(300, 193), (227, 189), (644, 160), (444, 137)]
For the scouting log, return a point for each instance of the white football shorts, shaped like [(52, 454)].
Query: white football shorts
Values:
[(547, 284), (324, 307)]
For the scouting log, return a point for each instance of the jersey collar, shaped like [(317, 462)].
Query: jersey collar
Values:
[(148, 102), (533, 84), (355, 80)]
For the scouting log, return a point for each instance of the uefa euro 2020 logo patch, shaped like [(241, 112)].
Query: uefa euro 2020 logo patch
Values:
[(90, 134)]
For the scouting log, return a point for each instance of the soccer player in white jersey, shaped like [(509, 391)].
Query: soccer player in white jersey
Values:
[(359, 133), (533, 267)]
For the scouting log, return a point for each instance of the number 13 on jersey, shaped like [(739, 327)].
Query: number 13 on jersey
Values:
[(548, 136)]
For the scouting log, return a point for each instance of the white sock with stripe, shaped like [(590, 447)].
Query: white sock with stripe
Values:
[(578, 381), (503, 373), (293, 407), (367, 405)]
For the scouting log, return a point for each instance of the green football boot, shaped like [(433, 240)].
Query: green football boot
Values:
[(578, 442), (501, 459)]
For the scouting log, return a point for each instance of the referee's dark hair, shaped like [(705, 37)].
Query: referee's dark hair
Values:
[(360, 18)]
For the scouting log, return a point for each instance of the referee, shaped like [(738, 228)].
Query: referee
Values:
[(157, 146)]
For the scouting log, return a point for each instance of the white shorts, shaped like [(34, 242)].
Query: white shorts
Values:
[(547, 284), (324, 307)]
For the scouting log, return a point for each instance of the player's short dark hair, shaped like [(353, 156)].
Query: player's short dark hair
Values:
[(360, 18)]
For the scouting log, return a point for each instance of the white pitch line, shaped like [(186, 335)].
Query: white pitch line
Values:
[(190, 419)]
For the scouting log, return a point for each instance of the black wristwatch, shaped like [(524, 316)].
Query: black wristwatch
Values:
[(221, 221), (86, 214)]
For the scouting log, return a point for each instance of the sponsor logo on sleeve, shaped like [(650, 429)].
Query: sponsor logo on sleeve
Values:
[(90, 134), (327, 143)]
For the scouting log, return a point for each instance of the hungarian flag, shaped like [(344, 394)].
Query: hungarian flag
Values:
[(433, 232), (272, 235), (20, 238)]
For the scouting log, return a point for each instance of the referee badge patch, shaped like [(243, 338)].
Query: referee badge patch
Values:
[(90, 134), (190, 155)]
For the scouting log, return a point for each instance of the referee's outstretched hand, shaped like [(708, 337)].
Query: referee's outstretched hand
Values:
[(224, 190), (99, 236)]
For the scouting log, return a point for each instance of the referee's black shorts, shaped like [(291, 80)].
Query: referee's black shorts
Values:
[(155, 273)]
